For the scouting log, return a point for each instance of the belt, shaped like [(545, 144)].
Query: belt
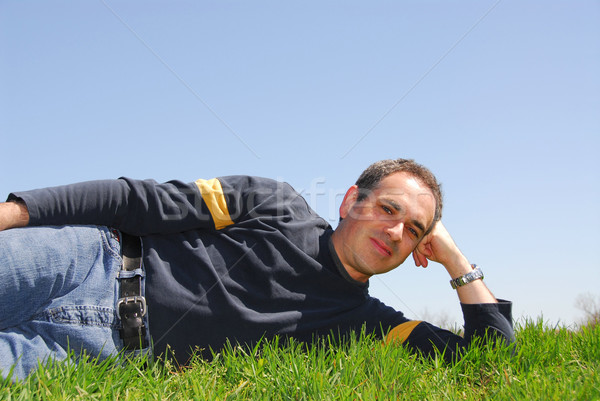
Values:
[(131, 305)]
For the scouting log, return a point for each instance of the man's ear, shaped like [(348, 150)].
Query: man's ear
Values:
[(349, 201)]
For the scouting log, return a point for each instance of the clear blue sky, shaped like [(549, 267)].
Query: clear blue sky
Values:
[(501, 99)]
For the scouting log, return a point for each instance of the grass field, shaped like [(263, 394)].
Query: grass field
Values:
[(549, 364)]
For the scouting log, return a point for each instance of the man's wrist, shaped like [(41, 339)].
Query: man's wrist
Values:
[(458, 267), (13, 213)]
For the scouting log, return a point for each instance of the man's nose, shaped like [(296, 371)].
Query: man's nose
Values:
[(395, 231)]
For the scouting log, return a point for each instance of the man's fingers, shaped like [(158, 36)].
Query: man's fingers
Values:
[(414, 255), (420, 259)]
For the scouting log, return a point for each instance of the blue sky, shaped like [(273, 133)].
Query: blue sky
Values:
[(501, 99)]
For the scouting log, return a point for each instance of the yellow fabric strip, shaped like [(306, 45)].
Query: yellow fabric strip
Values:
[(401, 332), (213, 196)]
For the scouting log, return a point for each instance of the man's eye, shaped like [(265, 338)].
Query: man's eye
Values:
[(386, 209), (414, 232)]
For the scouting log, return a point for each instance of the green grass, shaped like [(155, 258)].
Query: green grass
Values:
[(549, 364)]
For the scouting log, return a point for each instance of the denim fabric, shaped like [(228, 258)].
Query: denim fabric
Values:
[(58, 291)]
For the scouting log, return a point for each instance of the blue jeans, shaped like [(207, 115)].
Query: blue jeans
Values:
[(58, 293)]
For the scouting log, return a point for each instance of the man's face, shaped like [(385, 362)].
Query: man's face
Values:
[(378, 233)]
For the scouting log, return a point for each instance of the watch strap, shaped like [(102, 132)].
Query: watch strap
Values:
[(475, 274)]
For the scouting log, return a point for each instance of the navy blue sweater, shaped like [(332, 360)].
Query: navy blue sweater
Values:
[(239, 258)]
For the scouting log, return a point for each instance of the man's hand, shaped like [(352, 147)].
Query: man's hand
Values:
[(13, 215), (438, 246)]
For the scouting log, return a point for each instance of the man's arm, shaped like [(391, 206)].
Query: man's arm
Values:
[(439, 247), (137, 207), (483, 313), (13, 214), (144, 207)]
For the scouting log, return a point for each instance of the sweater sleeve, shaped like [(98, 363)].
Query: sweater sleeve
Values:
[(144, 207), (484, 321), (135, 206)]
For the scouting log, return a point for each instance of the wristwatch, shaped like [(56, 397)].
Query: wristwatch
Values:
[(475, 274)]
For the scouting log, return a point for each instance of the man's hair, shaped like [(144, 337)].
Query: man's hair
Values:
[(372, 176)]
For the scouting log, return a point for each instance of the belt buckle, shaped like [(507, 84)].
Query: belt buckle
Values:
[(136, 298)]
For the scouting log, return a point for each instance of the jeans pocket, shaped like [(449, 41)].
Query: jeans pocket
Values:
[(110, 243)]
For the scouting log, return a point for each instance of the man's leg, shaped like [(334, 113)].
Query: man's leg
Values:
[(58, 292)]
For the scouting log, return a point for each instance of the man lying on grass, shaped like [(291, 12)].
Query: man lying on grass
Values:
[(138, 266)]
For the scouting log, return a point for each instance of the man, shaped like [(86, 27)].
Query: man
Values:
[(231, 259)]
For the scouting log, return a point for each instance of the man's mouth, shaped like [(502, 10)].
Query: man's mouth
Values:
[(381, 247)]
